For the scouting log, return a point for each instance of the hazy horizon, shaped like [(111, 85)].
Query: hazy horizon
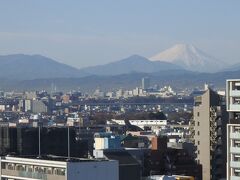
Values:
[(83, 34)]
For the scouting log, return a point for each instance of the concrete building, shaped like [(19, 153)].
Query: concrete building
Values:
[(119, 93), (164, 160), (233, 153), (39, 107), (233, 129), (106, 141), (23, 141), (60, 168), (233, 95), (209, 132), (148, 123), (30, 95), (129, 166), (35, 106), (27, 105), (141, 123)]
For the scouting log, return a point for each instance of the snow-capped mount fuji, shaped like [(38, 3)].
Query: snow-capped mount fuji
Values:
[(190, 58)]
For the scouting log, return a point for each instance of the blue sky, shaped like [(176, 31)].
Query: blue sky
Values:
[(84, 33)]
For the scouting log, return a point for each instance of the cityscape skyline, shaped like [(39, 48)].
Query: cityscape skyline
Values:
[(120, 90)]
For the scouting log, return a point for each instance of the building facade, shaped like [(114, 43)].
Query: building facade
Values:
[(57, 168), (233, 129), (145, 83), (210, 119)]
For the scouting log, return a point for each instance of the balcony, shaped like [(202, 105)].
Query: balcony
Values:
[(219, 142), (218, 152), (235, 164), (234, 107), (235, 150), (235, 135), (234, 121), (219, 132), (234, 93), (219, 122), (234, 178)]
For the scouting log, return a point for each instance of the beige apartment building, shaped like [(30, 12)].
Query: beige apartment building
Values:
[(209, 130)]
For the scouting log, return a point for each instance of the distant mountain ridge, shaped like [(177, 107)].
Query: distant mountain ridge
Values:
[(34, 72), (134, 63), (178, 79), (190, 58), (26, 67), (234, 67), (29, 67), (20, 66)]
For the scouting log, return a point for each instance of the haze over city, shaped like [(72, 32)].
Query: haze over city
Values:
[(86, 33), (120, 90)]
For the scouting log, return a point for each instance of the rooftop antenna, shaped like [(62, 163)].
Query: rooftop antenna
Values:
[(39, 141), (68, 143), (52, 88)]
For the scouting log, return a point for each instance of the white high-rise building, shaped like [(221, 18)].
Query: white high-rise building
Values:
[(145, 83), (233, 129)]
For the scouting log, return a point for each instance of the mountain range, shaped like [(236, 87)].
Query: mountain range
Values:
[(134, 63), (178, 79), (182, 64), (23, 67), (190, 58)]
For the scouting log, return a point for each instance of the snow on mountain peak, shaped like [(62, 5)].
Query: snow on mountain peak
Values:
[(190, 58)]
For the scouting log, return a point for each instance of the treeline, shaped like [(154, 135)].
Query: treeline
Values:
[(154, 99), (140, 99)]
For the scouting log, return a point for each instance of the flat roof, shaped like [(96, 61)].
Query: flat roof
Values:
[(233, 80), (48, 159)]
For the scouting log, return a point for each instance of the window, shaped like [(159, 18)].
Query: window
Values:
[(237, 158), (49, 171), (236, 143), (198, 133), (237, 129), (11, 166), (198, 123), (237, 172), (59, 171), (198, 114), (3, 165), (198, 142)]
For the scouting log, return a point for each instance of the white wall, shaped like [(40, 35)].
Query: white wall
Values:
[(103, 170)]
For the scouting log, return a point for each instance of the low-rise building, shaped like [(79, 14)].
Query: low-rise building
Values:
[(60, 168)]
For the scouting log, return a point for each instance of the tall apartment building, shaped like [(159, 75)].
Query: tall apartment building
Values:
[(145, 83), (233, 129), (39, 107), (209, 130)]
